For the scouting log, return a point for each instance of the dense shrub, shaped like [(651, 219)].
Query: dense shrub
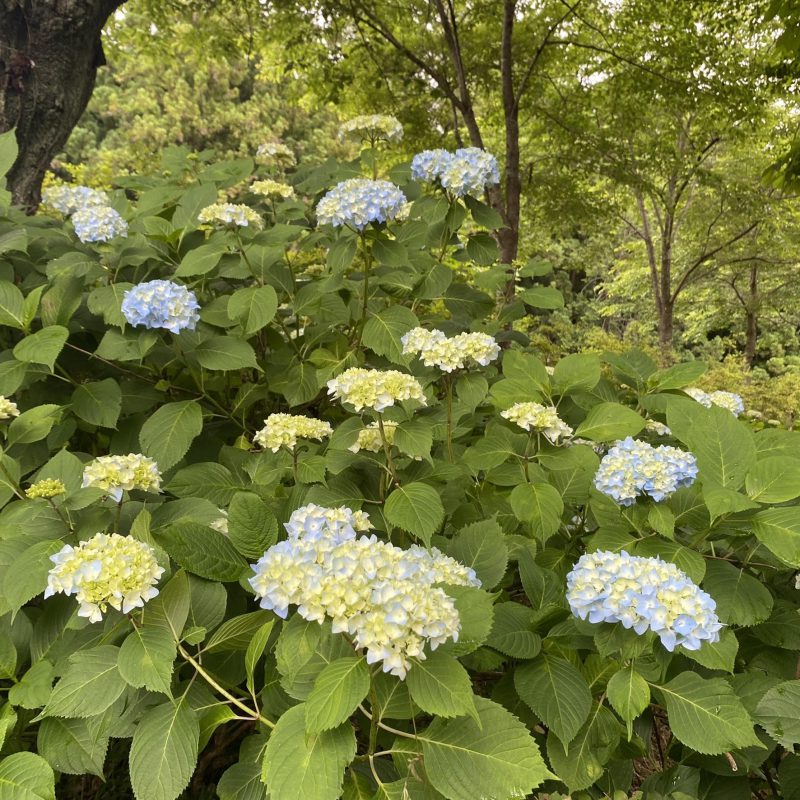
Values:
[(139, 459)]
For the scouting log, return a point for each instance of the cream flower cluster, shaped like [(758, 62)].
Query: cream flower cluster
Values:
[(108, 570), (236, 214), (373, 126), (313, 522), (657, 428), (115, 474), (8, 408), (68, 198), (369, 438), (436, 350), (275, 153), (283, 430), (728, 400), (47, 488), (373, 388), (382, 596), (643, 593), (270, 188), (536, 417)]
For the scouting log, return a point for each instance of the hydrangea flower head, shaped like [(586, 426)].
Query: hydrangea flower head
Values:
[(369, 438), (657, 428), (67, 199), (373, 126), (98, 224), (235, 215), (161, 304), (728, 400), (220, 524), (436, 350), (643, 593), (384, 597), (470, 171), (283, 430), (108, 570), (8, 408), (275, 153), (429, 165), (47, 488), (375, 389), (115, 474), (536, 417), (632, 468), (359, 201), (270, 188)]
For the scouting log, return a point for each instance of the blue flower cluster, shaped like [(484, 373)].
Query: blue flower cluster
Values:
[(68, 199), (643, 593), (98, 224), (359, 201), (631, 468), (467, 171), (161, 304)]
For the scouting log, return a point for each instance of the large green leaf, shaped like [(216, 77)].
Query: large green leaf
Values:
[(338, 690), (706, 715), (253, 307), (778, 529), (382, 332), (557, 692), (11, 306), (167, 434), (224, 353), (774, 480), (252, 527), (513, 632), (164, 751), (741, 599), (416, 508), (629, 693), (482, 546), (540, 506), (608, 422), (496, 758), (578, 372), (299, 766), (77, 746), (203, 551), (779, 713), (26, 776), (98, 403), (440, 685), (42, 347)]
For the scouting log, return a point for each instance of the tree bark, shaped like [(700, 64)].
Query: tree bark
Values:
[(49, 54), (751, 317)]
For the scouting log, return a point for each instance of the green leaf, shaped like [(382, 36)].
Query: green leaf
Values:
[(382, 332), (706, 715), (224, 353), (42, 347), (540, 505), (255, 649), (298, 766), (556, 692), (89, 686), (496, 758), (252, 527), (200, 260), (578, 372), (778, 529), (778, 713), (35, 687), (235, 633), (416, 508), (482, 546), (512, 631), (11, 306), (337, 691), (440, 685), (98, 403), (9, 149), (34, 424), (629, 693), (717, 655), (164, 751), (203, 551), (167, 434), (76, 746), (740, 598), (206, 479), (608, 422), (774, 480), (677, 377), (484, 215), (26, 776), (27, 574), (253, 307), (542, 297), (414, 438)]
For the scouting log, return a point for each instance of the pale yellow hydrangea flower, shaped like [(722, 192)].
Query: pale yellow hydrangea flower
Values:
[(536, 417), (376, 389), (8, 408), (115, 474), (283, 430)]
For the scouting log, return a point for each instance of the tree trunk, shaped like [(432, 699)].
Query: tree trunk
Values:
[(49, 54), (666, 316), (751, 316)]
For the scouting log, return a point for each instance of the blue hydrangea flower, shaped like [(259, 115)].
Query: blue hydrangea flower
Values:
[(470, 171), (161, 304), (98, 224), (68, 199), (643, 593), (359, 201), (632, 468), (430, 164)]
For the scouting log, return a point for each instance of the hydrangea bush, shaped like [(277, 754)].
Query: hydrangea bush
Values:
[(290, 510)]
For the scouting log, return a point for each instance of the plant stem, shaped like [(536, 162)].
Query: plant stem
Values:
[(387, 449), (449, 391)]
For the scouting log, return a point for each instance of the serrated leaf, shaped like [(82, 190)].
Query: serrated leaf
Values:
[(778, 713), (496, 758), (302, 767), (416, 508), (26, 776), (11, 306), (556, 692), (337, 691), (167, 434), (778, 529), (255, 649), (89, 686), (512, 631), (235, 633), (203, 551), (164, 751), (440, 685), (540, 506), (224, 353), (706, 715), (382, 332), (608, 422), (482, 546), (98, 403), (740, 598), (253, 307), (42, 347), (76, 746), (252, 527), (629, 694), (27, 574)]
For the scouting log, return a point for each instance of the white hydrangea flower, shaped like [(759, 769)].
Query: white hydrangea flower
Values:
[(220, 524), (283, 430), (235, 214), (373, 126), (108, 570), (270, 188), (657, 428), (436, 350), (116, 474), (98, 224), (275, 153), (728, 400), (8, 408), (67, 199), (369, 438), (373, 388), (536, 417)]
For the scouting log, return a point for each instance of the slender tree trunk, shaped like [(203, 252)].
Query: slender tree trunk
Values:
[(508, 237), (751, 312), (49, 54)]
